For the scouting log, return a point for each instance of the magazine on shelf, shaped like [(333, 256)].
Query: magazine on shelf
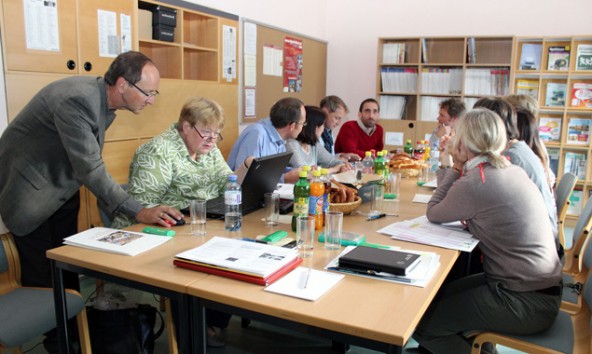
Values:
[(239, 256), (553, 160), (575, 202), (550, 129), (578, 131), (575, 162), (584, 57), (528, 87), (581, 95), (530, 59), (558, 57), (555, 96), (123, 242)]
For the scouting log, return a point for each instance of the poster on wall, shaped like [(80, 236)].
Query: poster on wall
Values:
[(41, 25), (229, 53), (292, 64)]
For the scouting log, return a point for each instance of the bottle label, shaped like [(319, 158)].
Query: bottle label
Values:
[(315, 206), (232, 197), (300, 206)]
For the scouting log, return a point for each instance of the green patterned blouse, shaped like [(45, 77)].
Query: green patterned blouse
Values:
[(162, 172)]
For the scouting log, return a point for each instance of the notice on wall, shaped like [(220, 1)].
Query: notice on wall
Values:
[(250, 39), (126, 32), (250, 63), (250, 102), (292, 65), (272, 60), (229, 53), (393, 138), (108, 39), (42, 30)]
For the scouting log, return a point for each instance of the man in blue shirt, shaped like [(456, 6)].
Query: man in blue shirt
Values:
[(268, 136), (336, 110)]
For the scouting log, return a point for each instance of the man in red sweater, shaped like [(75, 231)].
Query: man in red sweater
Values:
[(363, 134)]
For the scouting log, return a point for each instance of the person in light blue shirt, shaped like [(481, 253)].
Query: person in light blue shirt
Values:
[(268, 136)]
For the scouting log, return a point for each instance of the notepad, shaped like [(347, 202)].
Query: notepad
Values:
[(305, 283)]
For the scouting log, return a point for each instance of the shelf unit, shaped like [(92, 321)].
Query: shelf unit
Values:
[(415, 74), (552, 79), (193, 54)]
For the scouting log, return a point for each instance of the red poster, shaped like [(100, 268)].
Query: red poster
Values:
[(292, 65)]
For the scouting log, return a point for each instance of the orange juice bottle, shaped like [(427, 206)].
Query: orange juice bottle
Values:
[(315, 204)]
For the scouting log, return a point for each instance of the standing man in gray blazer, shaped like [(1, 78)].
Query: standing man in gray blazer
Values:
[(53, 147)]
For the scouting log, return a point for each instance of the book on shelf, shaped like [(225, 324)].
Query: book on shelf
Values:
[(555, 96), (581, 95), (393, 53), (424, 50), (584, 57), (116, 241), (239, 259), (550, 129), (530, 59), (578, 131), (553, 160), (558, 57), (528, 87), (471, 50), (575, 203), (575, 162)]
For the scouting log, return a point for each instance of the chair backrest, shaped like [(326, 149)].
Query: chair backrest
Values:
[(564, 188), (9, 269), (582, 230)]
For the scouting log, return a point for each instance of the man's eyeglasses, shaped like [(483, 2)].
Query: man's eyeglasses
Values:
[(302, 124), (147, 94), (209, 135)]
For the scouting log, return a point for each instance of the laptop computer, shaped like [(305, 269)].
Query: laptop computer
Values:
[(262, 177)]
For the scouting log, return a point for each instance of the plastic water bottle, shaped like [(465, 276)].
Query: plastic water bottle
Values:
[(233, 216), (326, 178), (301, 198), (380, 165), (315, 201), (434, 159), (368, 163)]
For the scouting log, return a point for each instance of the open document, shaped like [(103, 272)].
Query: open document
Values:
[(116, 241), (419, 276), (420, 230), (305, 283), (239, 256)]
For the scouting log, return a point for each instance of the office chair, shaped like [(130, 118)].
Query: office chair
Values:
[(27, 312), (568, 334), (573, 261), (563, 190)]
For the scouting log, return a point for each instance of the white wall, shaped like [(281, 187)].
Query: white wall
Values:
[(352, 27)]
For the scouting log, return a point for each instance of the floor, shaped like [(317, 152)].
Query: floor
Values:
[(256, 338)]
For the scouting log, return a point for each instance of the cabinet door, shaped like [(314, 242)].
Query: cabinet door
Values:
[(91, 61), (40, 25)]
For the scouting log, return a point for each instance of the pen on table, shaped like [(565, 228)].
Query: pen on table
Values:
[(375, 245), (254, 240), (376, 216), (306, 279)]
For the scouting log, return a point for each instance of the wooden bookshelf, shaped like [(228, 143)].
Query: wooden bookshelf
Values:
[(427, 70), (556, 66)]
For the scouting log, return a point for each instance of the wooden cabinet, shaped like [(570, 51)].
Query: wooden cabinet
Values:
[(557, 71), (63, 40), (415, 74)]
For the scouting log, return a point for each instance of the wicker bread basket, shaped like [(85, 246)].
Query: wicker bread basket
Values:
[(346, 208)]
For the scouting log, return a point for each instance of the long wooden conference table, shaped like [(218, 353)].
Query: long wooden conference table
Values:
[(376, 314)]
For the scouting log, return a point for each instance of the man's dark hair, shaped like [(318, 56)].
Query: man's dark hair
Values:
[(454, 106), (332, 103), (505, 110), (369, 100), (128, 65), (315, 118), (285, 111)]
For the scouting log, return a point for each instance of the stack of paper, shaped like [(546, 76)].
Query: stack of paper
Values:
[(305, 283), (238, 259), (420, 230), (116, 241), (419, 276)]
